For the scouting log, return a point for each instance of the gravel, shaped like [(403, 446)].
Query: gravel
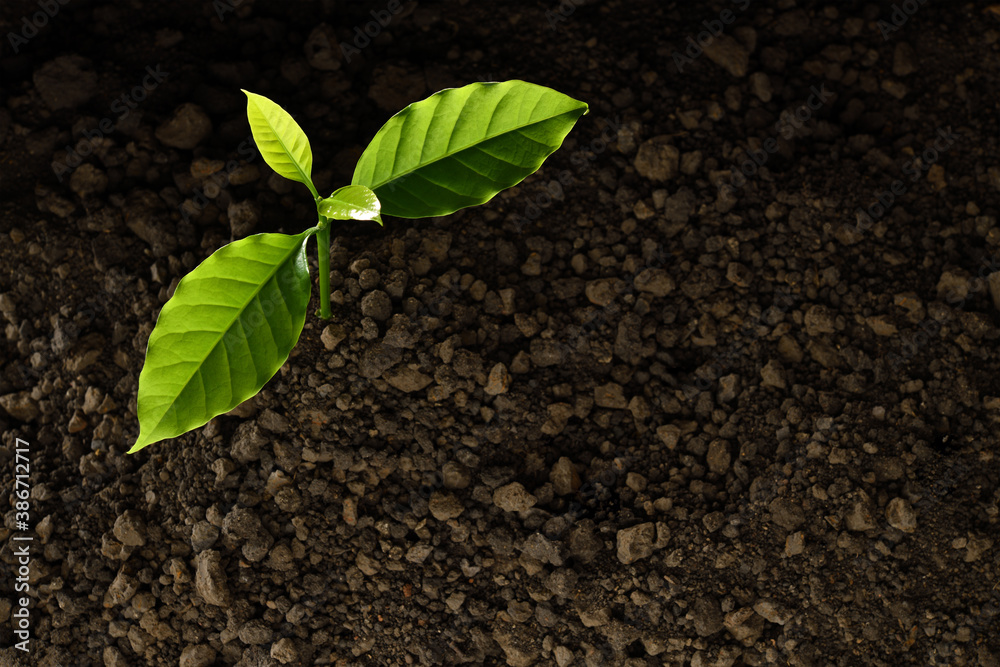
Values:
[(657, 159), (66, 82), (636, 543), (186, 128), (513, 497), (617, 415), (210, 579), (130, 529)]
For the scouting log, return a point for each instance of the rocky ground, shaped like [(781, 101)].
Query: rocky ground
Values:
[(715, 387)]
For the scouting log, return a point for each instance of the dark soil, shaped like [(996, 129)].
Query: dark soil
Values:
[(652, 414)]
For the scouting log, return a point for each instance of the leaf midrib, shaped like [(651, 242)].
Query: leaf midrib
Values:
[(421, 165), (293, 249), (306, 178)]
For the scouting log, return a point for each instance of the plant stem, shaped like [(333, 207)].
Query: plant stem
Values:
[(323, 260)]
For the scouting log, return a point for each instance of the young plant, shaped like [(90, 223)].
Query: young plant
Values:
[(232, 321)]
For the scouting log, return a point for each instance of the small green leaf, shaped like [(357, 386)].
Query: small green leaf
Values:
[(462, 146), (226, 331), (282, 143), (351, 202)]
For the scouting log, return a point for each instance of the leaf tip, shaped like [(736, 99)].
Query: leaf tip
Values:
[(143, 441), (252, 98)]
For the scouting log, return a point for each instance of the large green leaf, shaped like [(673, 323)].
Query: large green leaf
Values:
[(351, 202), (226, 331), (282, 143), (461, 146)]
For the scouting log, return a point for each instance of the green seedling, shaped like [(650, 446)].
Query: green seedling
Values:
[(232, 321)]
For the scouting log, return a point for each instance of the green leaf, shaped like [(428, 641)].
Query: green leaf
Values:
[(351, 202), (226, 331), (282, 143), (462, 146)]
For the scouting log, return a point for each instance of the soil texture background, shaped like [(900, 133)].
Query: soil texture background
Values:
[(717, 386)]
